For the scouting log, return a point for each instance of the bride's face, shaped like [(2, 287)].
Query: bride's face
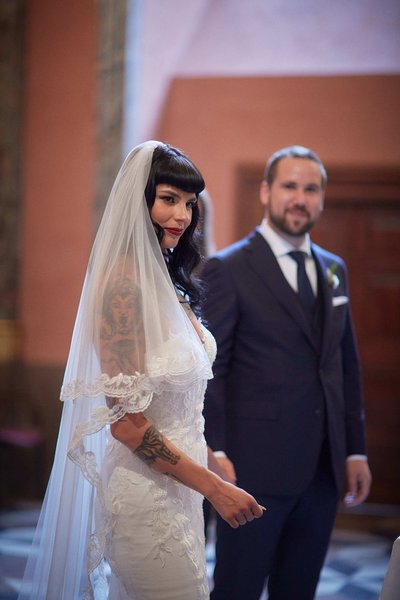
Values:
[(172, 211)]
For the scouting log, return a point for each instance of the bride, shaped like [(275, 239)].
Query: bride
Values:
[(122, 516)]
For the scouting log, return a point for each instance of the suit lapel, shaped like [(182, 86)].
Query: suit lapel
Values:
[(262, 261)]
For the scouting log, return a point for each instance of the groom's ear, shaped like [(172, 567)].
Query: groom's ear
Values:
[(264, 193)]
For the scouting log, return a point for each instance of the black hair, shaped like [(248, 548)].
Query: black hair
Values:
[(169, 165)]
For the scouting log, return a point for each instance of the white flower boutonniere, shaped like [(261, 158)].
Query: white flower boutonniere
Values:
[(333, 279)]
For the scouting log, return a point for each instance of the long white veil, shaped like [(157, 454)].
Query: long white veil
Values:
[(123, 347)]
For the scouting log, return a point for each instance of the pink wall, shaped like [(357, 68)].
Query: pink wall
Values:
[(59, 154), (220, 122), (223, 122)]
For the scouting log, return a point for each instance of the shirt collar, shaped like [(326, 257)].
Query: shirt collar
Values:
[(279, 245)]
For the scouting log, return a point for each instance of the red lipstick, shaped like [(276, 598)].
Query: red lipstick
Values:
[(173, 231)]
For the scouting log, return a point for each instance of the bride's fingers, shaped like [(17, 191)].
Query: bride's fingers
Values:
[(256, 511), (249, 515), (246, 516), (233, 522), (263, 509)]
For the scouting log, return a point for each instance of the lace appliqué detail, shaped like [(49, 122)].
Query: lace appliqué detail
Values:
[(96, 545), (179, 366), (179, 528), (137, 386), (135, 394), (170, 369)]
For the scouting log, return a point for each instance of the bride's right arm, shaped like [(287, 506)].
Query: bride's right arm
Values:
[(234, 505), (122, 350)]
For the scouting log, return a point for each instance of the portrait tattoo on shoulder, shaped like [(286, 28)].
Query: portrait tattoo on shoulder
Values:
[(122, 335), (153, 447)]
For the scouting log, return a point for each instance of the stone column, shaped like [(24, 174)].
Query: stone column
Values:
[(110, 98)]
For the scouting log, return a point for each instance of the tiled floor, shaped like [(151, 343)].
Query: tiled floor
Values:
[(354, 568)]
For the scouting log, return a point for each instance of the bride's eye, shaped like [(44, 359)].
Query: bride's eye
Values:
[(168, 199)]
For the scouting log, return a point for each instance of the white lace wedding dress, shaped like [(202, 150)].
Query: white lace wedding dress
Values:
[(156, 544)]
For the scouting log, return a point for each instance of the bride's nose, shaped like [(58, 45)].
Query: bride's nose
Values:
[(182, 212)]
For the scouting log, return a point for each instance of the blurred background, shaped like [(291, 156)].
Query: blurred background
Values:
[(229, 82)]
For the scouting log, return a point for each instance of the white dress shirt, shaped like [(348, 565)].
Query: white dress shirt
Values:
[(280, 247)]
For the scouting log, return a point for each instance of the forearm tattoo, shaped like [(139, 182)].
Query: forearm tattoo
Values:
[(153, 447)]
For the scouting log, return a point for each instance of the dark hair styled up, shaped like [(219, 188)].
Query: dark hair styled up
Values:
[(170, 166), (293, 152)]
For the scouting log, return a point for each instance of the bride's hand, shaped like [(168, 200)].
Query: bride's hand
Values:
[(235, 506)]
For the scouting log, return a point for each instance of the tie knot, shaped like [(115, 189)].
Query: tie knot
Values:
[(298, 256)]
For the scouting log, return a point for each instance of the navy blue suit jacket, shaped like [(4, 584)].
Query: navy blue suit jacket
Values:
[(280, 387)]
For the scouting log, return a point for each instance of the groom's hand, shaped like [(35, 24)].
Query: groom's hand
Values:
[(227, 469)]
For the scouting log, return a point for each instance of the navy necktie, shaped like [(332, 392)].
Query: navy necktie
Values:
[(305, 291)]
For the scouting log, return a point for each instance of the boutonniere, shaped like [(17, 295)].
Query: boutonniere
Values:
[(333, 279)]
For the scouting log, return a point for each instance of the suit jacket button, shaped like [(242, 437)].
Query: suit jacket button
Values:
[(317, 412)]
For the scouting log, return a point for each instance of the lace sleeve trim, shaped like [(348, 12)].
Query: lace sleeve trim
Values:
[(171, 370), (132, 394), (133, 388)]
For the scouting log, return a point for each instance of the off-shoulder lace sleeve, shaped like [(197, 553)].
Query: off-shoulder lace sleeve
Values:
[(133, 390)]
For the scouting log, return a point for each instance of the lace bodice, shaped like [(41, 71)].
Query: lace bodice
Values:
[(178, 414), (209, 344)]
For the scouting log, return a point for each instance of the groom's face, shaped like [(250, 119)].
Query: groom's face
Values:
[(295, 199)]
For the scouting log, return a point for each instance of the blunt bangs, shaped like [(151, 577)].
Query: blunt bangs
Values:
[(179, 172)]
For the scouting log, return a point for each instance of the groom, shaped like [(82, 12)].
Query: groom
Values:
[(284, 411)]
